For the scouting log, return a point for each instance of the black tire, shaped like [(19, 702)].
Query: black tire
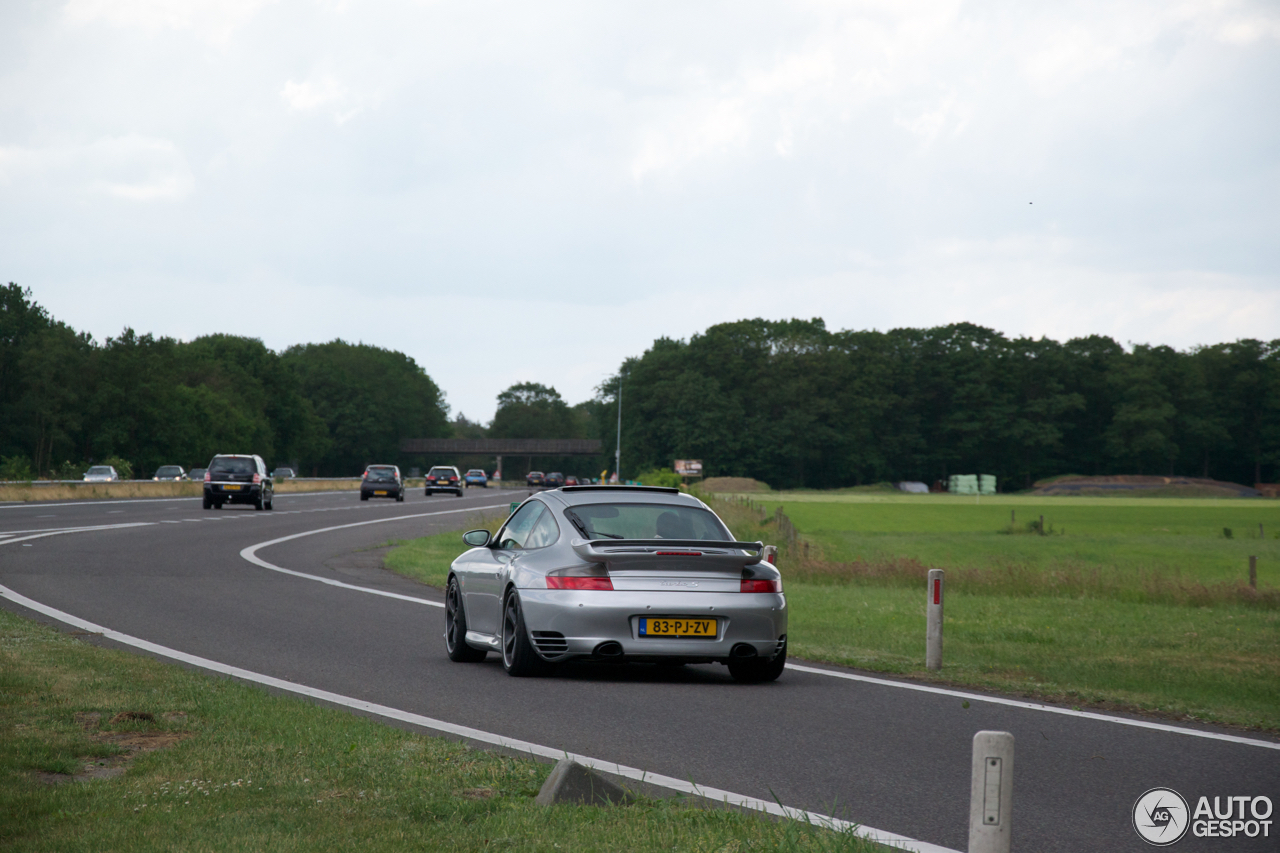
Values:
[(400, 497), (208, 502), (759, 670), (428, 493), (217, 504), (455, 627), (518, 656), (459, 492), (271, 504), (258, 503), (363, 496)]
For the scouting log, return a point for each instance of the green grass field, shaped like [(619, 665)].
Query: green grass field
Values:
[(1133, 603), (247, 771)]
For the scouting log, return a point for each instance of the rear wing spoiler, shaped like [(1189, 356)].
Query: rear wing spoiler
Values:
[(690, 553)]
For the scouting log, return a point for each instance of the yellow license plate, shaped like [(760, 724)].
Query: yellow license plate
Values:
[(380, 493), (230, 488), (678, 628)]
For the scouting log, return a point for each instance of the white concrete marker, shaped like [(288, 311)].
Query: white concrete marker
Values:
[(991, 793), (933, 621)]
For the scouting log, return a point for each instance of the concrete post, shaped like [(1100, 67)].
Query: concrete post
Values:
[(933, 625), (991, 793), (1253, 572)]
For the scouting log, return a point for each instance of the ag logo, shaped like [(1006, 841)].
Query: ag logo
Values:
[(1160, 816)]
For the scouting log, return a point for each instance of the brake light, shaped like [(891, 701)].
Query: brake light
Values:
[(564, 582), (208, 476), (257, 478), (757, 585)]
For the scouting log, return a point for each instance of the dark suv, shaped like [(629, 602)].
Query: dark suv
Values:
[(444, 478), (382, 481), (239, 479)]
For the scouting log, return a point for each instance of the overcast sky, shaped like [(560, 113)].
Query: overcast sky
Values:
[(534, 191)]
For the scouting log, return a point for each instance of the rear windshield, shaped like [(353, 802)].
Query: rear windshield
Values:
[(99, 469), (168, 470), (232, 465), (382, 470), (441, 472), (646, 521)]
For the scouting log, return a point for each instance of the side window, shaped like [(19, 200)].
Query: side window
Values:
[(519, 527), (545, 532)]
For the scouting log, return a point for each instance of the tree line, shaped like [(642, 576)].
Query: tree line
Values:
[(67, 400), (788, 402), (796, 404)]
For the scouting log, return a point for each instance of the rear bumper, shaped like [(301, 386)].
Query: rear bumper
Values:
[(247, 493), (390, 490), (585, 619)]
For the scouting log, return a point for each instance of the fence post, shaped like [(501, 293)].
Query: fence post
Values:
[(1253, 571), (991, 793), (933, 623)]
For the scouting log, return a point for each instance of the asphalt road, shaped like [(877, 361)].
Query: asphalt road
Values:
[(876, 753)]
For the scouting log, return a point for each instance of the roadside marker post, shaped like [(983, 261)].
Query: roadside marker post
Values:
[(991, 793), (933, 626)]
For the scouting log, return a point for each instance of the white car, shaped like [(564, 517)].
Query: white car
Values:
[(101, 474)]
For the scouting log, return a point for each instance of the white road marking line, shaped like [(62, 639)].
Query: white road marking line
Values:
[(902, 842), (250, 553), (1036, 706), (42, 534)]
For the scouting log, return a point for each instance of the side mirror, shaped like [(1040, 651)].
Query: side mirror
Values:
[(477, 538)]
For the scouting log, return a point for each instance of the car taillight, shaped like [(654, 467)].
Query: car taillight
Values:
[(563, 582), (208, 475), (757, 585), (257, 478)]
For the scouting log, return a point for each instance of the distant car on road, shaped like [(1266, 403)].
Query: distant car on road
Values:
[(196, 473), (283, 474), (382, 481), (101, 474), (616, 574), (238, 478), (554, 480), (170, 472), (444, 478), (571, 480), (534, 478), (476, 477)]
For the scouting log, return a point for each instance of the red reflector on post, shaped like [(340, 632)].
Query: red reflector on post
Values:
[(678, 553), (757, 585), (937, 590), (563, 582)]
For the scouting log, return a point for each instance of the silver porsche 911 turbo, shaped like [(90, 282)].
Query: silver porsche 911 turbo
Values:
[(616, 573)]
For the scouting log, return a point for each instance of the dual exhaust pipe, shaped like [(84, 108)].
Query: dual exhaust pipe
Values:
[(613, 649)]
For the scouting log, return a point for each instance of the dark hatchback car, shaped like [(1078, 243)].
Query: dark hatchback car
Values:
[(444, 478), (534, 478), (554, 480), (382, 481), (238, 479)]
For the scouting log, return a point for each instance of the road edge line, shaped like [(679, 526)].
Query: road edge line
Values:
[(671, 783)]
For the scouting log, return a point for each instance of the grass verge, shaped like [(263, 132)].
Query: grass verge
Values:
[(1136, 608), (244, 770)]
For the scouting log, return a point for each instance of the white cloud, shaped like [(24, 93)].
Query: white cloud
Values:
[(131, 167), (323, 92), (214, 20)]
